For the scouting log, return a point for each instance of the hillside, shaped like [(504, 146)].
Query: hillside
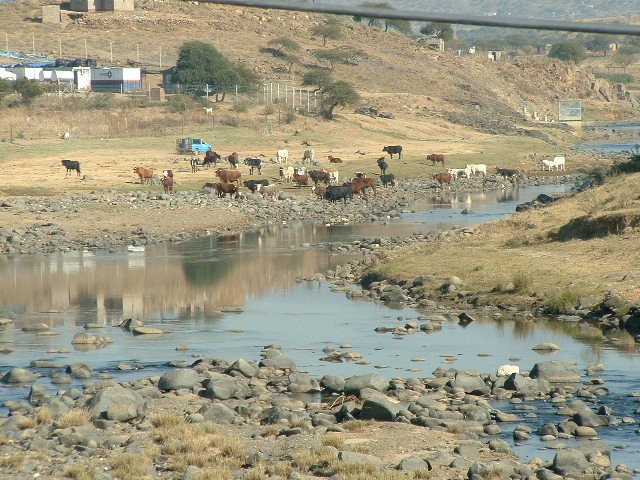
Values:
[(393, 72)]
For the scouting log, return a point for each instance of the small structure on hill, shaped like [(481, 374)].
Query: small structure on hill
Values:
[(51, 14), (101, 5), (433, 43)]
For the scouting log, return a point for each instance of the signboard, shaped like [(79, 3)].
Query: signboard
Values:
[(570, 110)]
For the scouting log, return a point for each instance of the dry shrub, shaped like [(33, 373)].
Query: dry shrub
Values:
[(80, 472), (345, 469), (455, 428), (360, 448), (11, 462), (75, 418), (43, 416), (129, 465), (26, 423), (332, 440), (306, 458), (522, 282), (168, 420), (356, 425)]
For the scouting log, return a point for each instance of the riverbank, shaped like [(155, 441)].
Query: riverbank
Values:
[(113, 219)]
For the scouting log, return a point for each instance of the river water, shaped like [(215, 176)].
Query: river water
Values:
[(187, 290)]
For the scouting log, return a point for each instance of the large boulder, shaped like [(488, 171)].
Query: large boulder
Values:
[(570, 462), (217, 413), (526, 385), (556, 371), (379, 408), (470, 382), (248, 369), (178, 379), (355, 384), (274, 358), (223, 387), (116, 403), (19, 375)]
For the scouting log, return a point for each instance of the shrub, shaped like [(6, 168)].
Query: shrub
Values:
[(75, 418), (243, 105), (521, 282), (560, 302), (616, 77), (370, 277), (332, 440)]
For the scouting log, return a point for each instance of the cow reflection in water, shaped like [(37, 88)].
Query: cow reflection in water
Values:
[(508, 195)]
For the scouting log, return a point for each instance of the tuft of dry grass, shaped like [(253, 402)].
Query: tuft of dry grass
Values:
[(332, 440), (306, 458), (43, 416), (80, 472), (27, 423), (75, 417), (12, 462), (129, 465), (356, 425)]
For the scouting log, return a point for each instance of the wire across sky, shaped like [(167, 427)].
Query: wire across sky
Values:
[(426, 16)]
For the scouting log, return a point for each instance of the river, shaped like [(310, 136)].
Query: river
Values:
[(187, 290)]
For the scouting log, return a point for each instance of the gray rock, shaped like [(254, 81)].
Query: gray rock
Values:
[(379, 408), (355, 384), (333, 383), (302, 382), (19, 375), (556, 371), (570, 461), (178, 378), (276, 359), (224, 387), (248, 369), (355, 457), (527, 386), (413, 463), (218, 413), (470, 382), (494, 469), (115, 403)]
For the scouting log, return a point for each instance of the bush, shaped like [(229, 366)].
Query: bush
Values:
[(560, 302), (243, 105), (521, 282), (370, 277)]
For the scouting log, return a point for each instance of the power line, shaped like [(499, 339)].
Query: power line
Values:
[(461, 19)]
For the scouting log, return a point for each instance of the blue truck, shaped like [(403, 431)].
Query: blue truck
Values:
[(192, 145)]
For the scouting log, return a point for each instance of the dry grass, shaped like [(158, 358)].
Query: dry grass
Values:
[(12, 462), (27, 423), (332, 440), (74, 418), (304, 459), (80, 472), (43, 416), (356, 425), (130, 465), (565, 270)]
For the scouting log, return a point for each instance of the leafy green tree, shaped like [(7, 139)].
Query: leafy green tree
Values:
[(318, 77), (372, 21), (200, 63), (438, 29), (599, 43), (346, 55), (284, 45), (516, 41), (624, 57), (331, 30), (568, 51), (336, 94), (402, 26), (29, 89)]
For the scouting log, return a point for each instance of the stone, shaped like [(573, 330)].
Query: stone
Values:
[(556, 371), (248, 369), (115, 403), (379, 408), (355, 384), (570, 462), (177, 379), (19, 375)]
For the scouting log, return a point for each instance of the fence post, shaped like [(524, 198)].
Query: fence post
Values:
[(293, 98), (286, 95), (270, 92), (278, 92), (308, 100)]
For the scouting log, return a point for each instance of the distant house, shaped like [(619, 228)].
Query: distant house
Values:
[(433, 43), (101, 5)]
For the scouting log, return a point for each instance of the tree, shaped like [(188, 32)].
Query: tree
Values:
[(402, 26), (346, 55), (200, 63), (338, 93), (29, 89), (568, 51), (516, 40), (440, 30), (332, 30), (599, 43), (624, 57), (284, 45), (318, 77)]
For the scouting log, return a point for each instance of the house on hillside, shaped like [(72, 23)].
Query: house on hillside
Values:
[(433, 43), (101, 5)]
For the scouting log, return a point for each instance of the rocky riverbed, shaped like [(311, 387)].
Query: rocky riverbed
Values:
[(99, 220)]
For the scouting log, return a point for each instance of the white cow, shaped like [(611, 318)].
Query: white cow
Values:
[(549, 164), (282, 156), (308, 155), (286, 173), (558, 162), (471, 170), (208, 110), (457, 172), (333, 176)]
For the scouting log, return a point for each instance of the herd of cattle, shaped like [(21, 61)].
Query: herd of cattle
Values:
[(325, 181)]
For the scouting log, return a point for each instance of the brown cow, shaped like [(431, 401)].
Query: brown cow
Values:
[(301, 179), (145, 174), (167, 183), (233, 159), (360, 184), (228, 176), (223, 188), (335, 159), (436, 158), (443, 178), (320, 191)]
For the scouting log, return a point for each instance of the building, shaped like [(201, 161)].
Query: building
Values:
[(30, 73), (82, 78), (101, 5), (433, 43), (116, 79)]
